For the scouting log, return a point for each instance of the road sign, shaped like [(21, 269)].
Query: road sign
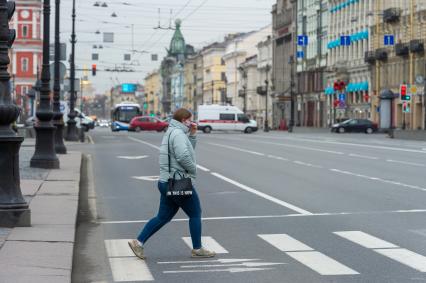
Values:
[(413, 89), (302, 40), (403, 92), (342, 96), (405, 107), (300, 54), (389, 39), (420, 80), (345, 40)]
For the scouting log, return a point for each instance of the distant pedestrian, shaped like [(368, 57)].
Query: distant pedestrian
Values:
[(177, 162)]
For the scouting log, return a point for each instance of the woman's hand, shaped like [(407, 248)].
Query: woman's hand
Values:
[(193, 129)]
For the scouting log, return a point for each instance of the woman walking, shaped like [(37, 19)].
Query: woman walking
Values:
[(177, 162)]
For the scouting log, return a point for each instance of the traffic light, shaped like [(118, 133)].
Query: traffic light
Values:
[(94, 70), (403, 93), (10, 11)]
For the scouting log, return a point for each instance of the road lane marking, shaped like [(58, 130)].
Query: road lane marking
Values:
[(365, 240), (203, 168), (89, 137), (118, 248), (301, 147), (220, 260), (306, 164), (129, 269), (147, 178), (132, 157), (278, 158), (406, 163), (350, 144), (125, 266), (363, 156), (275, 216), (401, 255), (145, 143), (231, 270), (263, 195), (285, 243), (237, 149), (379, 180), (307, 256), (208, 243), (244, 264)]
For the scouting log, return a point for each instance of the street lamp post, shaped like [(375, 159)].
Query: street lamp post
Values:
[(71, 123), (266, 129), (13, 207), (58, 116), (45, 155)]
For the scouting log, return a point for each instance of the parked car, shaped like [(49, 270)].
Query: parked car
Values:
[(355, 125), (147, 123), (103, 123)]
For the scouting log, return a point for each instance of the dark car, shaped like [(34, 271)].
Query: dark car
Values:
[(147, 123), (355, 126)]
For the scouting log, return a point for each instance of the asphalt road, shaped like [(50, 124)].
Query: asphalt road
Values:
[(276, 207)]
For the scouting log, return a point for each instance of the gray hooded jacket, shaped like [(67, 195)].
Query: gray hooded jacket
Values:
[(182, 154)]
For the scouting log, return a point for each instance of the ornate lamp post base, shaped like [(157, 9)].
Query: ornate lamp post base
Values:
[(14, 211), (44, 157), (71, 131)]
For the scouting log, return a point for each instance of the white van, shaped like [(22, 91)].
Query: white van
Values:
[(224, 118)]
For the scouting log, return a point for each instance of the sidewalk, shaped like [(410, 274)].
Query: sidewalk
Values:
[(43, 252)]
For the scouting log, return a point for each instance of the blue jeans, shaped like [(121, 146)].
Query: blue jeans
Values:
[(168, 209)]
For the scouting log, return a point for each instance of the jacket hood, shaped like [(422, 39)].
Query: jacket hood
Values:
[(174, 124)]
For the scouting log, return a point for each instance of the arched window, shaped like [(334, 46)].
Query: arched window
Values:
[(25, 31), (24, 64)]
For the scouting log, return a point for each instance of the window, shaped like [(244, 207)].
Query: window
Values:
[(24, 90), (25, 31), (222, 62), (227, 117), (144, 119), (223, 76), (24, 64), (243, 118)]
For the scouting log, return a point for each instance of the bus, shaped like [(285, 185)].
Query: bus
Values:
[(122, 114)]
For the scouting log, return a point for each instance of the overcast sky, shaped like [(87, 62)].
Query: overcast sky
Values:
[(204, 21)]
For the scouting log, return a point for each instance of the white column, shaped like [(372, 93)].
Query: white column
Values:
[(35, 63), (34, 24)]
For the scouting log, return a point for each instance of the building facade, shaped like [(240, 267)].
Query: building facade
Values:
[(238, 48), (214, 76), (401, 63), (348, 39), (26, 52), (152, 93), (311, 54), (283, 62)]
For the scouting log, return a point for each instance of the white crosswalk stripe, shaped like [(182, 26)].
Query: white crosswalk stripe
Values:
[(401, 255), (208, 243), (306, 255), (125, 266)]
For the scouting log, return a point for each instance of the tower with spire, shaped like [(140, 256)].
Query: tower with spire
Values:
[(172, 68)]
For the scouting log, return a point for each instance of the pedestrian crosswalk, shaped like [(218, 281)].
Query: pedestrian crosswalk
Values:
[(126, 267)]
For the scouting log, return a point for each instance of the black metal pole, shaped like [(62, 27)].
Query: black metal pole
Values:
[(45, 155), (13, 207), (71, 128), (58, 116), (292, 84), (245, 99), (266, 129)]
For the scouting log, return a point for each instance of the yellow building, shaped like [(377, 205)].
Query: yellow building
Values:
[(214, 80), (190, 84), (152, 93)]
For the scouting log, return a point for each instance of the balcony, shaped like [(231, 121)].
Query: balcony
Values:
[(416, 46), (241, 93), (369, 57), (261, 90), (381, 54), (401, 49), (391, 15)]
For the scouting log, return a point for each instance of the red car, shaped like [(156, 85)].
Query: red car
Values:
[(147, 123)]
